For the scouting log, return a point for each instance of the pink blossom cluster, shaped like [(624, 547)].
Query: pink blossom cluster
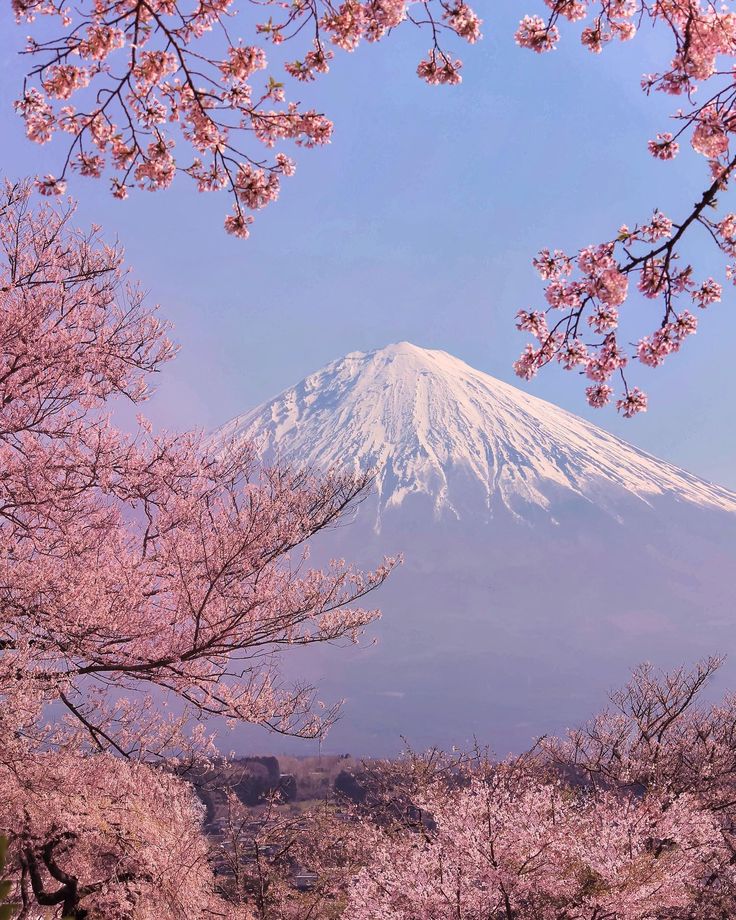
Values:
[(463, 21), (437, 68), (536, 34), (315, 62), (665, 147), (652, 350), (588, 290), (710, 136), (614, 19), (155, 94)]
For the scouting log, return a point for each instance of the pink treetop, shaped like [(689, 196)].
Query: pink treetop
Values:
[(103, 837), (629, 818), (531, 850)]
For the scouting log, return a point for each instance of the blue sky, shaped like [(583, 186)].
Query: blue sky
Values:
[(418, 223)]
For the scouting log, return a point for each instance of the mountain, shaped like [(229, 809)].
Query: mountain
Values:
[(544, 556), (432, 425)]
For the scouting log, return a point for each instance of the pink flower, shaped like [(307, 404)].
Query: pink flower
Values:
[(285, 164), (243, 61), (709, 292), (119, 189), (593, 260), (383, 15), (153, 66), (603, 319), (256, 188), (572, 354), (463, 21), (50, 186), (100, 41), (90, 165), (208, 180), (572, 10), (63, 79), (633, 402), (686, 324), (609, 359), (158, 169), (660, 227), (436, 69), (709, 137), (598, 395), (314, 62), (665, 147), (651, 278), (612, 286), (652, 351), (563, 295), (528, 364), (534, 322), (37, 115), (593, 38), (625, 30), (346, 25), (534, 33), (237, 225), (727, 228), (552, 266)]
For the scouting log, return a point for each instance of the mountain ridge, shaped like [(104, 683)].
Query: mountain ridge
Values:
[(426, 421)]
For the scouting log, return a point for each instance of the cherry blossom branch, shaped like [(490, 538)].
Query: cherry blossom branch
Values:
[(702, 34), (173, 108)]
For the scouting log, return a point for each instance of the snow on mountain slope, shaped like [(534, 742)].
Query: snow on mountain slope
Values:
[(431, 424)]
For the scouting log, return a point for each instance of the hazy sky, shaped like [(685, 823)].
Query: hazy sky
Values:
[(418, 223)]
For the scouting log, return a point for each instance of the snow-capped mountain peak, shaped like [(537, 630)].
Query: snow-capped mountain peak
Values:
[(431, 425)]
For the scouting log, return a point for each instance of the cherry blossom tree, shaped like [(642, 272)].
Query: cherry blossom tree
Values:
[(99, 836), (658, 735), (513, 846), (135, 570), (630, 817)]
